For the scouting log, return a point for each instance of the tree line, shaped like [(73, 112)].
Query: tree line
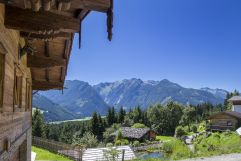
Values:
[(163, 119)]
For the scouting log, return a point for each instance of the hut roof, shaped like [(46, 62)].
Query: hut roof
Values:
[(132, 133), (48, 28), (235, 98), (229, 113)]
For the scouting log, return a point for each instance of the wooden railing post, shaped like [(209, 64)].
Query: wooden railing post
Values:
[(123, 155)]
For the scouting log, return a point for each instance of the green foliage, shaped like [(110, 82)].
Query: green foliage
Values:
[(38, 125), (88, 140), (109, 145), (117, 142), (194, 128), (168, 146), (164, 119), (124, 142), (111, 154), (119, 135), (188, 116), (202, 127), (217, 143), (67, 133), (180, 132), (121, 115), (97, 126), (111, 116), (176, 149), (139, 125), (111, 130), (136, 143)]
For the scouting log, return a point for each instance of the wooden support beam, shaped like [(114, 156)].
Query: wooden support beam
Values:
[(30, 21), (44, 85), (35, 61), (95, 5), (47, 74), (46, 48), (61, 35)]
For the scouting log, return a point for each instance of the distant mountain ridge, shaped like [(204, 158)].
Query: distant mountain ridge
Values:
[(81, 99), (133, 92)]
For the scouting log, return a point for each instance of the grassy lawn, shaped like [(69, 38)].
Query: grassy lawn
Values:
[(47, 155), (164, 138)]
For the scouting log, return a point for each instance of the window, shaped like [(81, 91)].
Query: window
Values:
[(229, 123), (28, 99), (2, 57), (18, 80)]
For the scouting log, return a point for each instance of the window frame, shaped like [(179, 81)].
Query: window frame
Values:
[(28, 95), (17, 88), (2, 79)]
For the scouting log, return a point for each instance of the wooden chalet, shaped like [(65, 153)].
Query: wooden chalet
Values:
[(132, 134), (228, 120), (35, 43)]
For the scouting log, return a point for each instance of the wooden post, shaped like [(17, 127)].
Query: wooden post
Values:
[(123, 155)]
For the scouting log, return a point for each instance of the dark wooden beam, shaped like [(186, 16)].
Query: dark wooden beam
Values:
[(44, 85), (95, 5), (46, 48), (61, 35), (43, 22), (35, 61), (47, 74)]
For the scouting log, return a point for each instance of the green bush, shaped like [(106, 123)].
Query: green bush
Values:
[(176, 149), (168, 147), (118, 142), (217, 143), (180, 132), (136, 143), (194, 128), (109, 145), (139, 125), (202, 127), (124, 142)]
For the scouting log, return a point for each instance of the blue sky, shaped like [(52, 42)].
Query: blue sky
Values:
[(195, 43)]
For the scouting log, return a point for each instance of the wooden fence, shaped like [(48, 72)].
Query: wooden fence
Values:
[(67, 150)]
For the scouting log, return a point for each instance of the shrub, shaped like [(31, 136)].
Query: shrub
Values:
[(118, 142), (168, 147), (180, 132), (119, 135), (109, 145), (136, 143), (139, 125), (194, 128), (124, 142), (88, 140), (202, 127)]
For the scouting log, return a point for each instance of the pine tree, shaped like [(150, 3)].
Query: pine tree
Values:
[(38, 124), (111, 116), (101, 128), (121, 115), (95, 124)]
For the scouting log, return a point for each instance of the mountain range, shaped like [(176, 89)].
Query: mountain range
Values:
[(79, 99)]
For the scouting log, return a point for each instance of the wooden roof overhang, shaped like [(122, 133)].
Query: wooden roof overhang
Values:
[(48, 27)]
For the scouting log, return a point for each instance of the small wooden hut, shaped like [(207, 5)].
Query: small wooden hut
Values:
[(35, 44), (132, 134)]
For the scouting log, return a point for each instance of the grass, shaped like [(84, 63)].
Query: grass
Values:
[(217, 143), (47, 155), (164, 138)]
